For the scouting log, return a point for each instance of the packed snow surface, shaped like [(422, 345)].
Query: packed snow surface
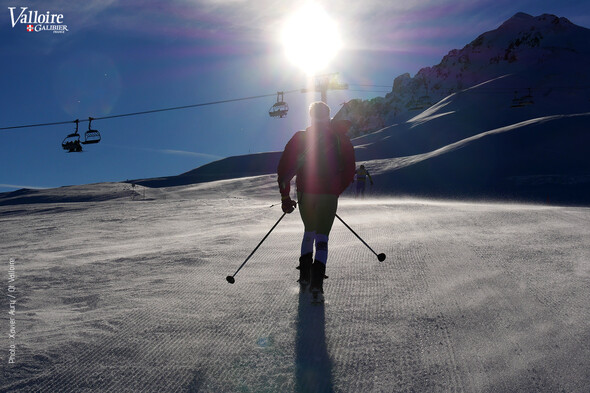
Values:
[(128, 293)]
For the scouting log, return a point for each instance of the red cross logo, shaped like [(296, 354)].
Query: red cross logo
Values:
[(29, 27)]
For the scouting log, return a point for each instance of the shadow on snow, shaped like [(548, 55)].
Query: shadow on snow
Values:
[(313, 366)]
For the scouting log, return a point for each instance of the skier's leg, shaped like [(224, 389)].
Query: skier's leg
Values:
[(326, 212), (321, 248), (307, 242), (307, 210), (326, 215), (306, 258), (306, 204), (326, 208)]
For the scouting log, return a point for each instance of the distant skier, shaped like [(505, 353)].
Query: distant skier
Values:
[(322, 158), (361, 179)]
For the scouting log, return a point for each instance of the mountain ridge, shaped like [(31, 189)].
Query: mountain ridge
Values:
[(535, 48)]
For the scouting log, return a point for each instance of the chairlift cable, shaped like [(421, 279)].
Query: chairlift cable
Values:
[(386, 86), (146, 112), (488, 89), (370, 91)]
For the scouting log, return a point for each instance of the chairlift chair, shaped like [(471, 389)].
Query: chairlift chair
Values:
[(279, 108), (528, 99), (91, 136), (519, 102), (71, 143), (516, 101)]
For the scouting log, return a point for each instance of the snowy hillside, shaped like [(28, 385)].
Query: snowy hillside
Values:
[(462, 148), (126, 292), (227, 168), (548, 56)]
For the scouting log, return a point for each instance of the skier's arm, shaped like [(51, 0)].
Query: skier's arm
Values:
[(349, 163), (287, 167)]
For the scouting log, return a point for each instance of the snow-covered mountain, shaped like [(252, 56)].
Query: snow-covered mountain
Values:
[(506, 117), (547, 56)]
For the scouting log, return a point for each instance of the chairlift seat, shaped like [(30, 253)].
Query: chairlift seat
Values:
[(519, 102), (72, 147), (91, 136), (71, 143), (279, 109)]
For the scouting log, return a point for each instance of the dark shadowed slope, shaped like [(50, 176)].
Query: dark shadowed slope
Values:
[(543, 160), (227, 168)]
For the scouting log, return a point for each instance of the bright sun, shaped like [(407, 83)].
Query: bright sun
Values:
[(311, 38)]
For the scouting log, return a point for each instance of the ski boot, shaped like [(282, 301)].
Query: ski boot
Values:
[(318, 271), (304, 267)]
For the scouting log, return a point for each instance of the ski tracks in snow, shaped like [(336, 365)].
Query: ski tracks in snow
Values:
[(471, 298)]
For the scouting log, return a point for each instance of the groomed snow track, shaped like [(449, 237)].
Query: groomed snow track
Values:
[(125, 296)]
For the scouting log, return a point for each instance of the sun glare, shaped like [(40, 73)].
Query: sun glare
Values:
[(310, 38)]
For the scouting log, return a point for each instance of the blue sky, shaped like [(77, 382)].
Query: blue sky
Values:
[(120, 57)]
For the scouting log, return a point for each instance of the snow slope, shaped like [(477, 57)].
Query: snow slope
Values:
[(227, 168), (129, 294), (467, 146)]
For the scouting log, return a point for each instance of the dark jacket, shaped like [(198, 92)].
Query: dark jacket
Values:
[(322, 158)]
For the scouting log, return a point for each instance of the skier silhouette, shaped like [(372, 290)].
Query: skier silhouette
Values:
[(322, 159), (361, 179)]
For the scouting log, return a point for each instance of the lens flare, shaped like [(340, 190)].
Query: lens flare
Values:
[(311, 39), (87, 83)]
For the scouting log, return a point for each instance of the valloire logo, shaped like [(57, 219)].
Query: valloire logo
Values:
[(36, 21)]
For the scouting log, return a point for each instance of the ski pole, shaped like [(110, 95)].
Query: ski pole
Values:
[(231, 279), (380, 257)]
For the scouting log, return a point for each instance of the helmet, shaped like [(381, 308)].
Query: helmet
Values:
[(319, 112)]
